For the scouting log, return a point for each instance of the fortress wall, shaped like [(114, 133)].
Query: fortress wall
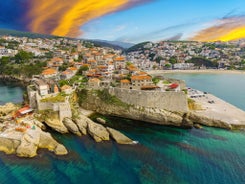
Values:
[(172, 101)]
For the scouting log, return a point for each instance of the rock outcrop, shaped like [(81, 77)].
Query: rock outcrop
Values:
[(47, 142), (82, 125), (26, 143), (8, 145), (71, 126), (29, 144), (56, 125), (146, 114), (100, 120), (7, 108), (98, 132), (119, 137)]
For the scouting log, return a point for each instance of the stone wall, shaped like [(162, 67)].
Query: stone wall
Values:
[(171, 101), (64, 110)]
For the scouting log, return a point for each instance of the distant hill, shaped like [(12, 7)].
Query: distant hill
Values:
[(124, 45), (137, 47), (105, 44), (24, 34), (101, 43)]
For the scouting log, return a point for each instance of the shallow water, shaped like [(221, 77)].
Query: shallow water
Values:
[(10, 93), (163, 155), (229, 87)]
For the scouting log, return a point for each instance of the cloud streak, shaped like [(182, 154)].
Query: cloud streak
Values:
[(226, 29), (64, 18)]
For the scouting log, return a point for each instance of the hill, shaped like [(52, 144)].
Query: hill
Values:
[(101, 43), (24, 34), (137, 47), (124, 45)]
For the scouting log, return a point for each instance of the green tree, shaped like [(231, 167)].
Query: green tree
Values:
[(159, 58), (173, 60), (64, 66), (23, 57), (82, 69)]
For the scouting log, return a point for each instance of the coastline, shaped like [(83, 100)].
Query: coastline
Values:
[(211, 71)]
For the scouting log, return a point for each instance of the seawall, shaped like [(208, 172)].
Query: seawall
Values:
[(171, 101), (158, 114), (115, 107)]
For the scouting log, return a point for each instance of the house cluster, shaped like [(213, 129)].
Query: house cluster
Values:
[(5, 52), (158, 55)]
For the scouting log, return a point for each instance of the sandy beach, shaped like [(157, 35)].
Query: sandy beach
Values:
[(158, 72)]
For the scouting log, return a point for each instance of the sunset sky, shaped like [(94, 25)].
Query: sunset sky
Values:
[(128, 20)]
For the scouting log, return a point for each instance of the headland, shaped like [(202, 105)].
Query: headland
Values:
[(67, 75)]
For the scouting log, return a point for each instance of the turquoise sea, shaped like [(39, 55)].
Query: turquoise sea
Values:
[(10, 93), (163, 155)]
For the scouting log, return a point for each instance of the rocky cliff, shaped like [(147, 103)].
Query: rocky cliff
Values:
[(107, 104), (112, 106)]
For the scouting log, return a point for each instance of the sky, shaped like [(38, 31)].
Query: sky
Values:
[(131, 21)]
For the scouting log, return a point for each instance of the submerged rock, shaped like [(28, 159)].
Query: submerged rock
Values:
[(71, 126), (100, 120), (197, 126), (119, 137)]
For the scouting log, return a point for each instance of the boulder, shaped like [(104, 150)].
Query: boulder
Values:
[(71, 126), (8, 146), (60, 150), (97, 131), (56, 125), (100, 120), (48, 142), (197, 126), (119, 137), (82, 125), (29, 144)]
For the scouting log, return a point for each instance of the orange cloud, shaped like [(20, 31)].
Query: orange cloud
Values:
[(224, 30), (65, 17)]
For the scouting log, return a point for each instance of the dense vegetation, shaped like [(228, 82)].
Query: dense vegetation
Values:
[(24, 34), (20, 65), (137, 47), (199, 62)]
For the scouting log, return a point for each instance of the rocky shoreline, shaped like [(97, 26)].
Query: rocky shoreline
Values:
[(212, 116), (7, 79), (25, 136)]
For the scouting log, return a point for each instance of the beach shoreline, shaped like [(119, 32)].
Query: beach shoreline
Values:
[(207, 71)]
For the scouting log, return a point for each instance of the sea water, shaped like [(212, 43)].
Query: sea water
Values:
[(10, 93), (163, 155)]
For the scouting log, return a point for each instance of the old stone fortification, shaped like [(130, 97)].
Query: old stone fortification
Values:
[(63, 108), (171, 101), (155, 115)]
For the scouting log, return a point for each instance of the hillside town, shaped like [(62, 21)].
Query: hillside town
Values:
[(73, 63), (68, 77), (188, 55), (58, 66)]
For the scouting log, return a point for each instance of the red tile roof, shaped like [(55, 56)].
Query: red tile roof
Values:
[(135, 77), (125, 81)]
